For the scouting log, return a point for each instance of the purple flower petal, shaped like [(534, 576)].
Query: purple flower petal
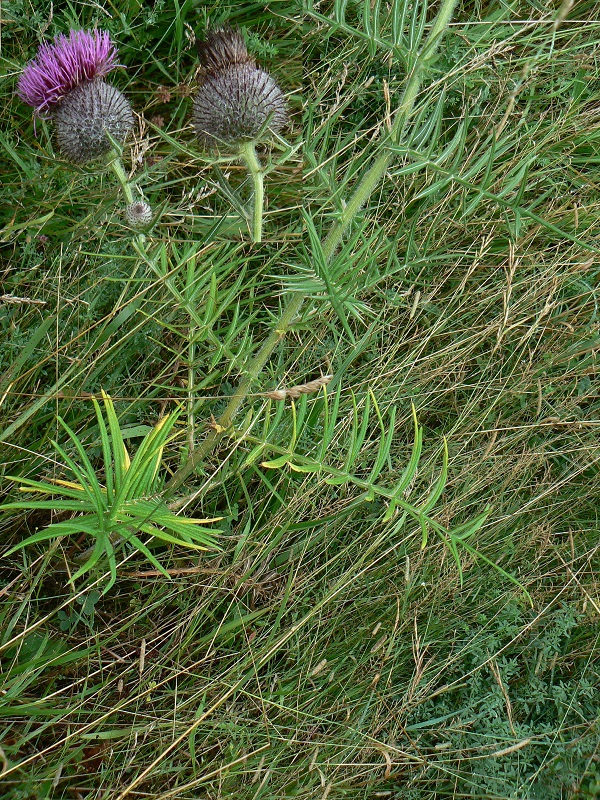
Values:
[(59, 67)]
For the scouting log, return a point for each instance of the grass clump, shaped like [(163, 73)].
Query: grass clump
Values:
[(396, 610)]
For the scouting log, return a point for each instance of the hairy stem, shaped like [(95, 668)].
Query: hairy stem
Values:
[(240, 394), (374, 174), (191, 386), (139, 240), (248, 153), (117, 167)]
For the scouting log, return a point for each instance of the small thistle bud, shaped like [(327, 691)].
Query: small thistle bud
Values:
[(64, 81), (236, 99), (138, 214)]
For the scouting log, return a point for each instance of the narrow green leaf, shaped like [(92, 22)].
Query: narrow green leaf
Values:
[(120, 456), (423, 525), (86, 465), (84, 524), (438, 488), (106, 453), (384, 445), (49, 488), (49, 505), (399, 11), (139, 545), (166, 537), (339, 480), (358, 437), (82, 478), (496, 567), (307, 468), (96, 554), (413, 463), (330, 417)]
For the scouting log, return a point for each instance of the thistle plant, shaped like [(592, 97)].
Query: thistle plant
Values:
[(424, 53), (65, 82), (92, 118), (117, 505), (237, 106), (363, 629)]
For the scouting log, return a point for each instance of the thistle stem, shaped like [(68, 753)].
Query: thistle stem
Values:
[(371, 178), (358, 198), (248, 153), (191, 386), (240, 394), (117, 167)]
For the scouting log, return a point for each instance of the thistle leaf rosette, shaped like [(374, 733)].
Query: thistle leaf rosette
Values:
[(65, 83), (115, 507)]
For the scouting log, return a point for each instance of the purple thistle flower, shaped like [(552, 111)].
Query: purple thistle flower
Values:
[(63, 65), (65, 82)]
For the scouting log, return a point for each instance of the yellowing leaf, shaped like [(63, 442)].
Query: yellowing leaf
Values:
[(277, 463), (161, 422), (305, 467), (50, 490), (70, 484), (127, 460)]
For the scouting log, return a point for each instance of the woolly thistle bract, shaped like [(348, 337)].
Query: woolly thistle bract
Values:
[(138, 214), (85, 115)]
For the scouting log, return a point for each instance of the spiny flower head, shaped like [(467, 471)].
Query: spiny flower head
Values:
[(65, 81), (237, 101), (85, 115), (138, 214), (61, 66)]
